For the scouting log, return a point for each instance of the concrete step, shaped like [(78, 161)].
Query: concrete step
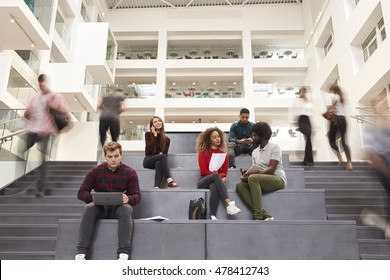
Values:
[(204, 239), (369, 232), (302, 205), (190, 160), (49, 191), (374, 257), (28, 230), (355, 193), (342, 173), (42, 208), (340, 179), (188, 178), (352, 217), (374, 246), (359, 200), (31, 199), (35, 218), (344, 185), (354, 209), (324, 164), (28, 243), (27, 255)]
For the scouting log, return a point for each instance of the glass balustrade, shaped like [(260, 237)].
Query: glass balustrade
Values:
[(63, 33), (275, 91), (277, 52), (133, 132), (136, 52), (204, 91), (144, 91), (31, 58), (211, 52)]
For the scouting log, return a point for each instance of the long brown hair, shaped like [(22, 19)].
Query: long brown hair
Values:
[(162, 132), (203, 142), (337, 90)]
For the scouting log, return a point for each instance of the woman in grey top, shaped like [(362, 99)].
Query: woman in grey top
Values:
[(111, 106), (270, 175)]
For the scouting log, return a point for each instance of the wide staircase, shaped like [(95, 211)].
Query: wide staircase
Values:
[(316, 216), (346, 195)]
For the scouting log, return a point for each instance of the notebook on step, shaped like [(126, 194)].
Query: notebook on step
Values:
[(107, 198)]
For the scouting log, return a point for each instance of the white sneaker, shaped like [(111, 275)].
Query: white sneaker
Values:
[(213, 218), (232, 209), (123, 257), (80, 257)]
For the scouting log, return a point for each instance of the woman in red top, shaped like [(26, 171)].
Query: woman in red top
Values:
[(209, 142), (156, 152)]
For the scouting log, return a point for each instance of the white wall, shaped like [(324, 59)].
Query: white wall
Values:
[(10, 170), (79, 143)]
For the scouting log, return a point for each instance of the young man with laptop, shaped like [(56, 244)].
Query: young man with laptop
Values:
[(116, 190)]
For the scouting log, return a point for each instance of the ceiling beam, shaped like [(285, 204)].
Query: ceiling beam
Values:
[(116, 6), (189, 3), (169, 4)]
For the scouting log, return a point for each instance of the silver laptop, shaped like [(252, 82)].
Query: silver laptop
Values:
[(107, 198)]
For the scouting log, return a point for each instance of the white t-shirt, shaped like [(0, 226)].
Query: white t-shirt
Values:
[(262, 157)]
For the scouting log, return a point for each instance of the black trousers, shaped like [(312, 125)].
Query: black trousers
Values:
[(305, 127), (160, 163), (217, 190), (339, 126), (113, 125)]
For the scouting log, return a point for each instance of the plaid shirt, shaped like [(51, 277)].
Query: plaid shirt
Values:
[(101, 179)]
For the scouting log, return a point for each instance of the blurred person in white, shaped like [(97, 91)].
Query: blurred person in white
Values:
[(300, 114), (377, 148), (41, 125)]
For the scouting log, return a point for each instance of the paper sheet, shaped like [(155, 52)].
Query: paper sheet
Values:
[(216, 161), (154, 218), (254, 169)]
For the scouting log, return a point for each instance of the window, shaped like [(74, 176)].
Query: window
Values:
[(382, 30), (369, 45), (328, 44), (377, 35)]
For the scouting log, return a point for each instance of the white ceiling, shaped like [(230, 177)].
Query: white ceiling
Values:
[(139, 4)]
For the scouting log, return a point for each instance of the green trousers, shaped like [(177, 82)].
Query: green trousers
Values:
[(251, 192)]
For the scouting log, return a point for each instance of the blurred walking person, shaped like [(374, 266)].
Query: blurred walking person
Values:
[(41, 124), (300, 113), (111, 106), (336, 99)]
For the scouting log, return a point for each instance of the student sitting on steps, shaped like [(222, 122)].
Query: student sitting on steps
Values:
[(156, 152), (270, 175), (212, 141)]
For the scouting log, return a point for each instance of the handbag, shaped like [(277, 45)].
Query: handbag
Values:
[(60, 120), (197, 209), (331, 113)]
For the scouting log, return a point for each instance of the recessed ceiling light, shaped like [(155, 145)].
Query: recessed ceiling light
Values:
[(174, 83), (32, 45), (193, 83), (12, 20)]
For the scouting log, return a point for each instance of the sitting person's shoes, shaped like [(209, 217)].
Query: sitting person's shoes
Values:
[(156, 188), (232, 166), (267, 217), (232, 209), (80, 257), (213, 218), (173, 185), (349, 166), (123, 257)]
